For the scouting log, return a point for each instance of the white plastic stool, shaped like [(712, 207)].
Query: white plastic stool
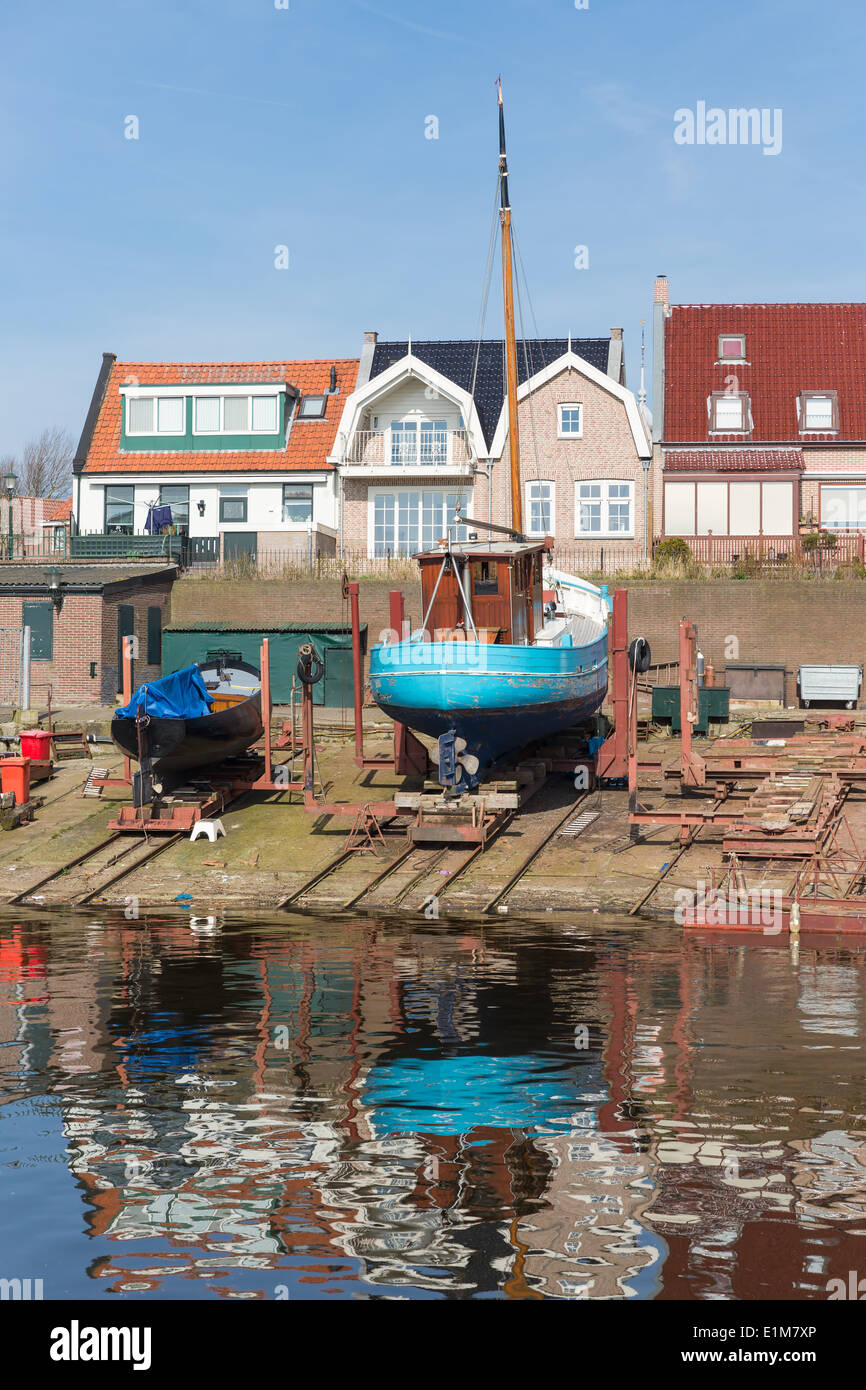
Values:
[(211, 828)]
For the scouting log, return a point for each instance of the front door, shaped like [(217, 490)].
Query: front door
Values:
[(238, 545)]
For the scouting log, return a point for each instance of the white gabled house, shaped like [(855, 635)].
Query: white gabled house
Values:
[(427, 426)]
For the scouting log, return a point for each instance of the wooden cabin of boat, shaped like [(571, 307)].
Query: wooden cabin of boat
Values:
[(502, 582)]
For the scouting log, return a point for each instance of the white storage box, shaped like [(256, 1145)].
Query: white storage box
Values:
[(822, 684)]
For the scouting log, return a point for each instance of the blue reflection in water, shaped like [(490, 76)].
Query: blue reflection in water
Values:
[(453, 1095)]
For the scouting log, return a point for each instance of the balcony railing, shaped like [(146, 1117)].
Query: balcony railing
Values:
[(403, 449)]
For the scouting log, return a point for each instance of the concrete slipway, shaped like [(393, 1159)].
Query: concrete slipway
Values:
[(273, 847)]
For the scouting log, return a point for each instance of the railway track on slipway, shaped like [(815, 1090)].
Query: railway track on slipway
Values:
[(152, 851)]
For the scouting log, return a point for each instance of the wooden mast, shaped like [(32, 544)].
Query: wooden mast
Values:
[(510, 333)]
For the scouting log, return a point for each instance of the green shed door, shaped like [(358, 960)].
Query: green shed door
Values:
[(154, 635), (39, 617), (125, 628)]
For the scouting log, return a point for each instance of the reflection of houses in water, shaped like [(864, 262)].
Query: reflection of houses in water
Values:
[(739, 1199), (382, 1108)]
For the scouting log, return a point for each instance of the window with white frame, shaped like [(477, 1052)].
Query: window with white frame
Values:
[(843, 508), (235, 414), (729, 413), (817, 410), (540, 498), (570, 420), (155, 415), (297, 503), (604, 510), (421, 442), (413, 519)]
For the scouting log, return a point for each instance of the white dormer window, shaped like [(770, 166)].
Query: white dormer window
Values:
[(570, 422), (732, 347), (729, 414), (235, 415), (818, 410), (155, 415)]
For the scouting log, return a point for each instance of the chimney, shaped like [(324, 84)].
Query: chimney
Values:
[(615, 359), (662, 291), (366, 364)]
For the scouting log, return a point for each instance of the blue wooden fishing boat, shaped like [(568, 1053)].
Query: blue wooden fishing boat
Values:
[(495, 666)]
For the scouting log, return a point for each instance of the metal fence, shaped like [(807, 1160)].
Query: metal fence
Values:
[(15, 667)]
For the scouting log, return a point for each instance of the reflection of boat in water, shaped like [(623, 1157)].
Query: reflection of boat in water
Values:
[(494, 667), (193, 718)]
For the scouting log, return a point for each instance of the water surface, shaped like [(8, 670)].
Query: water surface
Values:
[(309, 1108)]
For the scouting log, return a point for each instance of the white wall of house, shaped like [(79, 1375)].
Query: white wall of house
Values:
[(264, 500)]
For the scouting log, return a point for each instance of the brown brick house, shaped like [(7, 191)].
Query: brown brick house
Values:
[(77, 617), (759, 423)]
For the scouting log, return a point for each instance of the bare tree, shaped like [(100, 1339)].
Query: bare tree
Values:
[(45, 468)]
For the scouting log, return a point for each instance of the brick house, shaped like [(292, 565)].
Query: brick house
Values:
[(759, 423), (38, 525), (234, 454), (77, 618), (427, 425)]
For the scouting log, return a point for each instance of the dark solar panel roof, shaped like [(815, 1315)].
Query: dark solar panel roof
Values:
[(456, 361)]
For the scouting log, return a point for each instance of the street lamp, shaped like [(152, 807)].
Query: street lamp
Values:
[(54, 575), (11, 483)]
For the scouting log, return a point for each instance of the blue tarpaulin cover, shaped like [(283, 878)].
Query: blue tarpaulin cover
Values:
[(182, 695)]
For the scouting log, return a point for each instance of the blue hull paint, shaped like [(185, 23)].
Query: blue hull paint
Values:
[(499, 698)]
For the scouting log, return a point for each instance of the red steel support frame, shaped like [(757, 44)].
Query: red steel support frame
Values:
[(612, 760), (127, 648), (693, 767), (410, 755)]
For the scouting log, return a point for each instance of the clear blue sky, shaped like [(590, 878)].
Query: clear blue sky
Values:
[(261, 126)]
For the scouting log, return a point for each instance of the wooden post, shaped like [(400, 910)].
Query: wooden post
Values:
[(510, 331)]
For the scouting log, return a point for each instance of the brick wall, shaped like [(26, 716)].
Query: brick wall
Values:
[(794, 624), (247, 602), (77, 642), (140, 597), (790, 623), (606, 451)]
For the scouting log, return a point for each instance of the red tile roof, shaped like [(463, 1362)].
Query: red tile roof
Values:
[(58, 510), (309, 443), (789, 348), (733, 460)]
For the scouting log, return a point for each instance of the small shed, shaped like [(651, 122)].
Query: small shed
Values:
[(184, 644)]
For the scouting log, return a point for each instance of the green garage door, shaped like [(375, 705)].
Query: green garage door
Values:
[(240, 545)]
